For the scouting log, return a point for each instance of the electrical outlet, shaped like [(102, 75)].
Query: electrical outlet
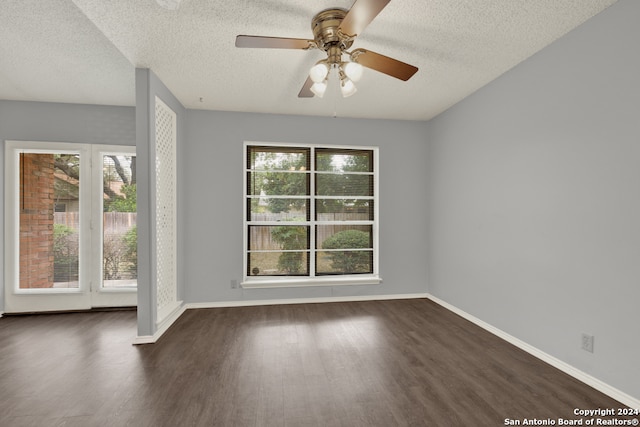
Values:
[(587, 342), (234, 283)]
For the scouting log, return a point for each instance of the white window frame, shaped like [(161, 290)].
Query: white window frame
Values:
[(312, 280), (105, 296), (12, 215)]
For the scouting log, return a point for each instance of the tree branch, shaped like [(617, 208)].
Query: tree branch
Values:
[(120, 170)]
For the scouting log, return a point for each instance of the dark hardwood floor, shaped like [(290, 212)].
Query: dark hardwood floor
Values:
[(378, 363)]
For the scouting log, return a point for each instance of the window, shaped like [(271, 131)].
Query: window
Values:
[(310, 215)]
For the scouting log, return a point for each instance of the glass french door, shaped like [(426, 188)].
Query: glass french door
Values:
[(69, 226), (114, 230)]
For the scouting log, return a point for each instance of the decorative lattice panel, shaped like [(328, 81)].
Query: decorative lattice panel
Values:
[(166, 236)]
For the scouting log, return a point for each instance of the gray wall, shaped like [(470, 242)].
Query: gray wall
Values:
[(534, 192), (35, 121), (213, 170)]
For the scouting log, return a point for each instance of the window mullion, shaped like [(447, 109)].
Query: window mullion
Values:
[(312, 212)]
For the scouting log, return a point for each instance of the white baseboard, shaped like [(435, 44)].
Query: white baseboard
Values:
[(163, 326), (303, 300), (610, 391), (173, 316), (145, 339)]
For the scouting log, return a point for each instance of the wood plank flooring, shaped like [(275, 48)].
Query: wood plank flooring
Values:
[(377, 363)]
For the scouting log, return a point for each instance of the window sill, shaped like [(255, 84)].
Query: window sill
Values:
[(293, 282), (47, 291), (119, 289)]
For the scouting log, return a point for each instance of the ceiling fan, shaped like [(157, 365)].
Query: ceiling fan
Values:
[(334, 31)]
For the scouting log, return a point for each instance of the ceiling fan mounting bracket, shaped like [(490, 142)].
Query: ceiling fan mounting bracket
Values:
[(354, 55)]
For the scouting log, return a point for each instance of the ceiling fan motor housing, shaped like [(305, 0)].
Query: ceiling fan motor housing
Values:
[(325, 30)]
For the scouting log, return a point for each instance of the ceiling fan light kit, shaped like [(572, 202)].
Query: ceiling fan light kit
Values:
[(334, 32), (348, 72)]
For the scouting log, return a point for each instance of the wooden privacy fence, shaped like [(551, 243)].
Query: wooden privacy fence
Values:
[(114, 222), (260, 236)]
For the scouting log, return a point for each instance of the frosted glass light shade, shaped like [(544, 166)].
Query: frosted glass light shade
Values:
[(347, 88), (319, 72), (319, 89), (353, 70)]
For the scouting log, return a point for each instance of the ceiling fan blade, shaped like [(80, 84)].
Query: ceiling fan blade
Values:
[(360, 15), (305, 92), (384, 64), (273, 42)]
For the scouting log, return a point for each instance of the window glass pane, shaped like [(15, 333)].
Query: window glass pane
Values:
[(337, 236), (277, 158), (278, 263), (344, 185), (49, 220), (344, 210), (335, 160), (278, 183), (344, 262), (278, 237), (348, 261), (277, 209), (120, 234)]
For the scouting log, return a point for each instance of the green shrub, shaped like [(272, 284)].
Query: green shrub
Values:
[(291, 238), (123, 204), (131, 248), (113, 253), (65, 253), (61, 234), (349, 261)]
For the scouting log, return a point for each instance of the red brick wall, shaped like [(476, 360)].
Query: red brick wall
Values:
[(36, 220)]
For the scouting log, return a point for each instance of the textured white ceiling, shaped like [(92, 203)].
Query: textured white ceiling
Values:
[(86, 51), (50, 51)]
